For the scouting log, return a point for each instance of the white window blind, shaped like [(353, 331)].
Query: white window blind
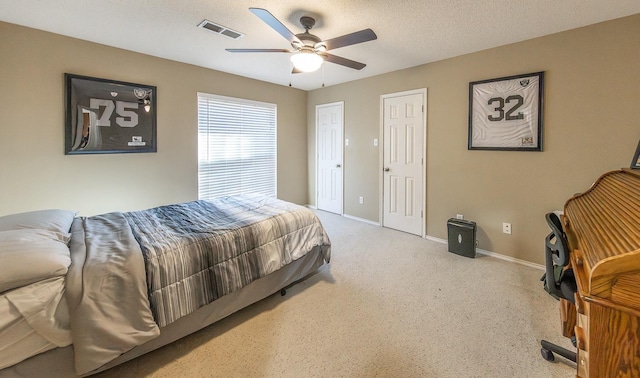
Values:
[(236, 146)]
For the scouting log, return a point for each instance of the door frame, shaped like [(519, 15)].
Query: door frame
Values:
[(341, 103), (423, 92)]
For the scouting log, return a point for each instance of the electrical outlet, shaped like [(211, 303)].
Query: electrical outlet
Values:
[(361, 200), (459, 216), (506, 228)]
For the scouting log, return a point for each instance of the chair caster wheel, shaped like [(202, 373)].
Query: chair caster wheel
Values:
[(283, 292), (547, 354)]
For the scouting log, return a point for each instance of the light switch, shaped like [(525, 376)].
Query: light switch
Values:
[(375, 142), (346, 142)]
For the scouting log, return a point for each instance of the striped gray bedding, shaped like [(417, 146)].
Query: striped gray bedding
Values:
[(198, 251)]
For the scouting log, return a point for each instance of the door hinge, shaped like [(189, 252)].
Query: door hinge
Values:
[(421, 214), (423, 108)]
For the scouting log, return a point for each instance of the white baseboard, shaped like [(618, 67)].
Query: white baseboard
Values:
[(443, 241), (350, 217), (361, 219), (493, 254)]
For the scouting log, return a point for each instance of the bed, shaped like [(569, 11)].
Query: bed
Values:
[(79, 295)]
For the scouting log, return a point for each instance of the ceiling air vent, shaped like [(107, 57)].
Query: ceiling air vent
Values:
[(206, 24)]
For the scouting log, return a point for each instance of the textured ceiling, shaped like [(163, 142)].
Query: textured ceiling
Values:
[(410, 32)]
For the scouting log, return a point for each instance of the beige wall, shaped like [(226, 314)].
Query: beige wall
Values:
[(35, 173), (591, 125)]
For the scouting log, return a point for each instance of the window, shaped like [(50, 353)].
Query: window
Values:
[(236, 146)]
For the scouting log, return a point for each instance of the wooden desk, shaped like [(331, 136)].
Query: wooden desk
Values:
[(603, 232)]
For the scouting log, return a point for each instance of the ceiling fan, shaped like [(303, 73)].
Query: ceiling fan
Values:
[(309, 50)]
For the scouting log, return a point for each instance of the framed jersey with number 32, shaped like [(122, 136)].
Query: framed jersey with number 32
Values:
[(506, 113)]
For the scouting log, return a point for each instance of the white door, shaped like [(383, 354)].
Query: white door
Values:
[(329, 126), (402, 162)]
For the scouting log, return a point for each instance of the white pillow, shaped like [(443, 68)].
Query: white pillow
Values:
[(31, 255), (52, 220)]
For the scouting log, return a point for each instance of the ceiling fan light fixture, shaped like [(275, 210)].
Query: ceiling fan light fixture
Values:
[(306, 61)]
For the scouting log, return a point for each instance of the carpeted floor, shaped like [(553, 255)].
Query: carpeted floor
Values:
[(390, 304)]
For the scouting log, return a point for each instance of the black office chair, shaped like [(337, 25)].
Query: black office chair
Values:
[(558, 282)]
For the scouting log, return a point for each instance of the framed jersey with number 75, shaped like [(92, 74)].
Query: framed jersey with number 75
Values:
[(506, 113), (107, 116)]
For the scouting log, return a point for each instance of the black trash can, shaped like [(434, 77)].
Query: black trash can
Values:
[(462, 237)]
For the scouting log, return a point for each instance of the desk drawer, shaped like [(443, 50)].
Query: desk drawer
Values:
[(582, 342), (582, 322), (581, 306), (582, 364)]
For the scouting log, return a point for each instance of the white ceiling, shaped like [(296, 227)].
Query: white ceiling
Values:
[(410, 32)]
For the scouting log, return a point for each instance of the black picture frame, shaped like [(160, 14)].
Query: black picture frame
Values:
[(506, 113), (108, 116), (635, 163)]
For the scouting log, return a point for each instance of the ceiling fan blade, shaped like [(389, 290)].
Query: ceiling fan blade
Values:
[(270, 20), (259, 50), (343, 61), (350, 39)]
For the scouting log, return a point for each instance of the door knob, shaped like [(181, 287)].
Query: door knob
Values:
[(386, 169), (338, 166)]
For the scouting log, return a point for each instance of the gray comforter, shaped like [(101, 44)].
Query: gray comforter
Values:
[(135, 272)]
